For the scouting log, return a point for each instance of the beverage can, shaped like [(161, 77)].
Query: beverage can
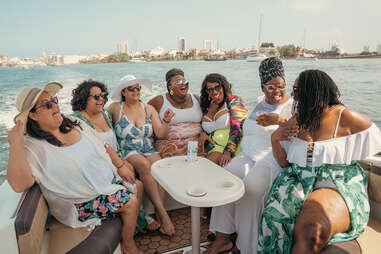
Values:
[(192, 150)]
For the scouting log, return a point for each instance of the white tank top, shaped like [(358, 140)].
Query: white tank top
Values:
[(222, 122), (193, 114), (110, 138)]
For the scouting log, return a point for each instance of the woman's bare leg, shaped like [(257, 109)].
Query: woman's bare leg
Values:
[(143, 167), (324, 213), (152, 159), (129, 214)]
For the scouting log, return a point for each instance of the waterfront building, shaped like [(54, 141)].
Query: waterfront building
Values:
[(122, 48), (366, 49), (55, 59), (208, 45), (181, 43)]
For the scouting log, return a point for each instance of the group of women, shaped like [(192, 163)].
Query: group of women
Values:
[(296, 157)]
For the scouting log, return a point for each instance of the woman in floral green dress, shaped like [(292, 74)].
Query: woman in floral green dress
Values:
[(320, 197)]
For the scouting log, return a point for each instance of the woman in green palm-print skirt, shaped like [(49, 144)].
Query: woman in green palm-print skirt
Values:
[(320, 197)]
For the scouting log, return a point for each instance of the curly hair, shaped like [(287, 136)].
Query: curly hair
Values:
[(82, 93), (35, 131), (171, 73), (315, 92), (213, 78)]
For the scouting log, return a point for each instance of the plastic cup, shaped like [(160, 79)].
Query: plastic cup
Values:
[(192, 150)]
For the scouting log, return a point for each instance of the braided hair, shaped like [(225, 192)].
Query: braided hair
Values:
[(213, 78), (315, 92)]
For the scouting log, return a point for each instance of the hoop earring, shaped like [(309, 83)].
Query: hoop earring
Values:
[(171, 92)]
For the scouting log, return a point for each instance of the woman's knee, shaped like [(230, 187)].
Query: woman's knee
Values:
[(143, 167), (132, 204), (313, 235)]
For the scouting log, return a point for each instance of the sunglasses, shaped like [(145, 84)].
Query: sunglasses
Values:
[(271, 88), (134, 88), (181, 82), (97, 96), (212, 89), (48, 104)]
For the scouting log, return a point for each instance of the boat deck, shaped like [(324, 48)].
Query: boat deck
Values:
[(155, 242)]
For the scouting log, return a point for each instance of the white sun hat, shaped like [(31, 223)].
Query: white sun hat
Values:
[(126, 81), (28, 97)]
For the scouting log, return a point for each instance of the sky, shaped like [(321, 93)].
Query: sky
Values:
[(84, 27)]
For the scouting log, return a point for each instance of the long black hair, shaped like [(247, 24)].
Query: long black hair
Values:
[(314, 93), (34, 130), (213, 78)]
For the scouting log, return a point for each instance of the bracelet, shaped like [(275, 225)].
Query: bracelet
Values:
[(120, 165), (165, 121)]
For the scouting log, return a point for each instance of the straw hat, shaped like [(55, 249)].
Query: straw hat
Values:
[(28, 97), (128, 81)]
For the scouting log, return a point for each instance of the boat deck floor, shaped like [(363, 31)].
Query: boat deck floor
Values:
[(155, 242)]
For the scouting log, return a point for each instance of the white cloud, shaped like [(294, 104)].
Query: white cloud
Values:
[(310, 6)]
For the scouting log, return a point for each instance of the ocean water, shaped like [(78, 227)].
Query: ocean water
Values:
[(359, 81)]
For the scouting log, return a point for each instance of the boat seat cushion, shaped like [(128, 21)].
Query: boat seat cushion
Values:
[(30, 227), (103, 239), (370, 240), (30, 221), (350, 247)]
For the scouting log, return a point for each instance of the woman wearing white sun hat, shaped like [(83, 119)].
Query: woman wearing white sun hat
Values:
[(136, 124)]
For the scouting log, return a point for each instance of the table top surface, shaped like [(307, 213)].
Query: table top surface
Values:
[(199, 183)]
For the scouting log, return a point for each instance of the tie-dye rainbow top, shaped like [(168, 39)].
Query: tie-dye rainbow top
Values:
[(238, 114)]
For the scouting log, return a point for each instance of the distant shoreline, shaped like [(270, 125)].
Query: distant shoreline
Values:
[(349, 57)]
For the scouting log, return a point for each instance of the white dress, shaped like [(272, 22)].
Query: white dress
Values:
[(258, 168)]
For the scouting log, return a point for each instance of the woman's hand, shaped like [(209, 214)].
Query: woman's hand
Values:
[(127, 172), (225, 158), (16, 134), (168, 115), (201, 141), (270, 119), (286, 131)]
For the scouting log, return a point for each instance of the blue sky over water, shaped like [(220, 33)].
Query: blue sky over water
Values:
[(83, 27)]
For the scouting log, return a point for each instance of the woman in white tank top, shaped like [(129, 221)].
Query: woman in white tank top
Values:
[(185, 125)]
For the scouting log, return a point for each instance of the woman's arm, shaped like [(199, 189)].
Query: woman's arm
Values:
[(238, 114), (19, 173), (114, 109), (160, 128), (157, 102), (125, 169), (284, 132)]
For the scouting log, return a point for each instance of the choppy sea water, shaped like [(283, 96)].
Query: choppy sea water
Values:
[(359, 81)]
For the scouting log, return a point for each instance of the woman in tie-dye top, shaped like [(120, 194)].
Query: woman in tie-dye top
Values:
[(223, 117)]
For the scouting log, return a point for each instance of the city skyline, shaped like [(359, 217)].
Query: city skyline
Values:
[(86, 27)]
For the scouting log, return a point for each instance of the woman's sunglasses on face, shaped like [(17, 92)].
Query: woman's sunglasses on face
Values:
[(97, 96), (272, 88), (134, 88), (181, 82), (48, 104), (212, 89)]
